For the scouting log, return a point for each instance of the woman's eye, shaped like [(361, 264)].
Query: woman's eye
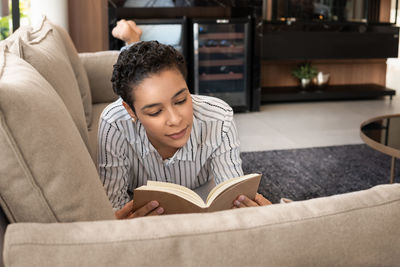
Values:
[(181, 102), (155, 113)]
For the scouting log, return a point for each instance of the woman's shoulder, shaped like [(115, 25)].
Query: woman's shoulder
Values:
[(116, 117), (115, 112), (211, 108)]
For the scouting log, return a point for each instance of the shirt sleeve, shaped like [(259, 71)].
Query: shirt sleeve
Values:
[(114, 165), (226, 162)]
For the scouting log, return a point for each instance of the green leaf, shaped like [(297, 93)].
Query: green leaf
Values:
[(304, 71)]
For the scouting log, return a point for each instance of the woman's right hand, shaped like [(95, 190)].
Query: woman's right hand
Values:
[(150, 209)]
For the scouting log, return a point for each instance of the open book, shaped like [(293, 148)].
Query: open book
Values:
[(179, 199)]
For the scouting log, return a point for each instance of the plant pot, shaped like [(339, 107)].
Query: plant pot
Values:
[(305, 83)]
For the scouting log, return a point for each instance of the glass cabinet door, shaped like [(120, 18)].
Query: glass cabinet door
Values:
[(221, 60)]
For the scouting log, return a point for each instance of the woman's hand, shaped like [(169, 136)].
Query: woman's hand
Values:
[(127, 31), (242, 201), (150, 209)]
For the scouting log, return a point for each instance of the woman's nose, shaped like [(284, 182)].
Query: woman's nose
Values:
[(174, 118)]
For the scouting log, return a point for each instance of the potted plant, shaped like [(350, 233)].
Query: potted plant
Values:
[(304, 72)]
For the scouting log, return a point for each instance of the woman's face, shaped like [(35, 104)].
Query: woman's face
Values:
[(164, 106)]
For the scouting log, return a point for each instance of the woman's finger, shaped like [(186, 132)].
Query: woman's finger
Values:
[(146, 209), (247, 202), (261, 200), (238, 204), (158, 211), (125, 212)]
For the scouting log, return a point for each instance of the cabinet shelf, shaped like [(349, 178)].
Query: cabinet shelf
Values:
[(216, 62), (221, 36), (222, 49), (330, 92), (219, 77)]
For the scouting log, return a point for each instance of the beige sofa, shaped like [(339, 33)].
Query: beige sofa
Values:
[(50, 102)]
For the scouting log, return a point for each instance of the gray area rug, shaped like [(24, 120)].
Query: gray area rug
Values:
[(301, 174)]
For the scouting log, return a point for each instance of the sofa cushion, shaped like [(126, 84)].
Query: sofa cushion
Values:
[(45, 51), (21, 32), (80, 73), (93, 130), (46, 173), (355, 229), (3, 226)]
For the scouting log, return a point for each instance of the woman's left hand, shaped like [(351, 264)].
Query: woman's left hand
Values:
[(242, 201)]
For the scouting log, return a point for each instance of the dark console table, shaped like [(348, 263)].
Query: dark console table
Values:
[(305, 41), (330, 92)]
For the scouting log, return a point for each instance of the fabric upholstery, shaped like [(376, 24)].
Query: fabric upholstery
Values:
[(22, 32), (45, 51), (80, 73), (99, 68), (93, 130), (355, 229), (3, 226), (46, 172)]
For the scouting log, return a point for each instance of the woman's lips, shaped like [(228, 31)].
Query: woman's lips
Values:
[(178, 135)]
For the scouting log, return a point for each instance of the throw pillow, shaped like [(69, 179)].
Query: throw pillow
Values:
[(46, 172), (45, 51), (79, 70)]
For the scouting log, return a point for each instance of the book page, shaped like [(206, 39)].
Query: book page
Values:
[(224, 185)]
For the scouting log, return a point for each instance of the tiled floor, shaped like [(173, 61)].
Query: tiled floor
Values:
[(311, 124)]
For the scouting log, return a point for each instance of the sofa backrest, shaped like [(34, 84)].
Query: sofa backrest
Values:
[(100, 81)]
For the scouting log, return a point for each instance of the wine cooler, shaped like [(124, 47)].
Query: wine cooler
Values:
[(221, 60)]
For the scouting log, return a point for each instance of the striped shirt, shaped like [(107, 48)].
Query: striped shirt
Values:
[(127, 159)]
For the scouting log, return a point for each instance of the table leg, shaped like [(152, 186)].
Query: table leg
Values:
[(392, 168)]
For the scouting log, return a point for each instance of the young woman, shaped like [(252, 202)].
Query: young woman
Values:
[(157, 130)]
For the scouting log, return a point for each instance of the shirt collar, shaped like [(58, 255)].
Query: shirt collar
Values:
[(189, 150), (146, 147)]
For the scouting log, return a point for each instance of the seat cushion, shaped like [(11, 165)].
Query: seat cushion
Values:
[(45, 51), (46, 172)]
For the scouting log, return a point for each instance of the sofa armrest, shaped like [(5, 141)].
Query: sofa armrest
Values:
[(99, 67), (354, 229)]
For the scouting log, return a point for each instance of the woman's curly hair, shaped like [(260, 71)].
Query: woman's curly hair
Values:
[(140, 61)]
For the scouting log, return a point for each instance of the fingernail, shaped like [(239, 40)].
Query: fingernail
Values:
[(236, 203), (154, 204), (241, 198), (160, 210)]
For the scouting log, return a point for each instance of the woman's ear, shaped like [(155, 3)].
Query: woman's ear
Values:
[(130, 111)]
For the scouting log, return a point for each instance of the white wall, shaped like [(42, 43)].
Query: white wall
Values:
[(393, 64), (55, 10), (393, 74)]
